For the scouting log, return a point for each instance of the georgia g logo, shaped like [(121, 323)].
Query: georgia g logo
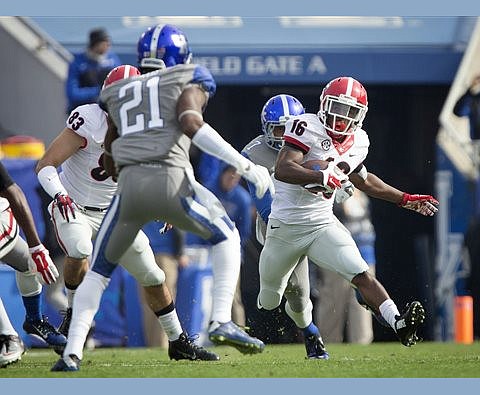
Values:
[(326, 144)]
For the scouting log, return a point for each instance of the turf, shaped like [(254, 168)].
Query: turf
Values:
[(378, 360)]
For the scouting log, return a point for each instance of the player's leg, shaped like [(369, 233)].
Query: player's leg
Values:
[(75, 239), (30, 289), (278, 258), (11, 346), (299, 308), (191, 207), (334, 249), (89, 293), (139, 261)]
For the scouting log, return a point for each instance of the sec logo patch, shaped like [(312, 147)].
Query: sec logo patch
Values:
[(326, 144)]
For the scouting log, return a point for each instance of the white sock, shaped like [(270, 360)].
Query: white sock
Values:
[(389, 310), (85, 306), (303, 318), (171, 325), (6, 327), (225, 257)]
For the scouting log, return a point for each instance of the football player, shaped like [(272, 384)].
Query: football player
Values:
[(173, 94), (263, 150), (81, 195), (301, 223), (33, 266), (153, 120)]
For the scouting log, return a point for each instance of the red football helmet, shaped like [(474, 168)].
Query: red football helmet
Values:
[(119, 73), (343, 106)]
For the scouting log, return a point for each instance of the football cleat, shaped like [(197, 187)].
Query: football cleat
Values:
[(67, 364), (11, 349), (185, 348), (45, 331), (315, 348), (406, 325), (231, 334)]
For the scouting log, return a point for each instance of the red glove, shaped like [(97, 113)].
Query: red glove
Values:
[(65, 204), (42, 265), (423, 204)]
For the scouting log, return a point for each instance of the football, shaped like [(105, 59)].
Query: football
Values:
[(315, 164)]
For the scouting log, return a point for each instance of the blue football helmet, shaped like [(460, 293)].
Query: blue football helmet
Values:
[(276, 111), (162, 46)]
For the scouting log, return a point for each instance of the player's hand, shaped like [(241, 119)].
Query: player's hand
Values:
[(65, 205), (345, 192), (42, 265), (260, 177), (424, 204), (333, 178)]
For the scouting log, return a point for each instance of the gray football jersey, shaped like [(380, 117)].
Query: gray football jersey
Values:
[(143, 109), (260, 153)]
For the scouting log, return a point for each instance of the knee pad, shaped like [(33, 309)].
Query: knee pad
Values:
[(268, 300), (140, 243), (82, 249)]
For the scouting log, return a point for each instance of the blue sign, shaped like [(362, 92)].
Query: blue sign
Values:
[(254, 68)]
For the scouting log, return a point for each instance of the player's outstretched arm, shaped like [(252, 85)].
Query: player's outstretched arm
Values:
[(375, 187), (189, 114)]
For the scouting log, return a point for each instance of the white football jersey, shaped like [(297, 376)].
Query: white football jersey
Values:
[(293, 204), (83, 175)]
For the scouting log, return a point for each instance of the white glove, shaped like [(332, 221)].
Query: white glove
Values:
[(260, 177), (344, 192), (42, 265)]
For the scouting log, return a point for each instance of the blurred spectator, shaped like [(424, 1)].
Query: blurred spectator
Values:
[(168, 250), (468, 105), (88, 70), (338, 314)]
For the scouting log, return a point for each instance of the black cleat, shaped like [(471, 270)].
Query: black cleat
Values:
[(185, 348), (407, 324), (45, 331), (315, 348)]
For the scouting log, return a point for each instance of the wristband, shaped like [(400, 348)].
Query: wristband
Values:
[(37, 248)]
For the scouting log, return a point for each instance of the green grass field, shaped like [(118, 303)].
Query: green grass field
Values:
[(378, 360)]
